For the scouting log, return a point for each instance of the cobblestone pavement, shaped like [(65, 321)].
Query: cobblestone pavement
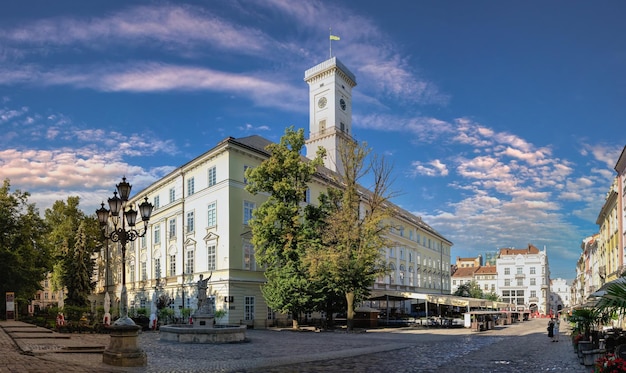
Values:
[(522, 347)]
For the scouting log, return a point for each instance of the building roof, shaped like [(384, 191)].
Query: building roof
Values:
[(486, 270), (531, 249), (465, 272)]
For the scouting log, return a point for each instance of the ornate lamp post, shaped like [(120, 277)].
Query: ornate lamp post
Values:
[(123, 350)]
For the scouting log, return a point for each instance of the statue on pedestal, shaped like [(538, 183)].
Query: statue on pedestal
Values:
[(204, 304)]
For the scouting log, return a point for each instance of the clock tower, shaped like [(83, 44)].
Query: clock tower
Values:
[(330, 110)]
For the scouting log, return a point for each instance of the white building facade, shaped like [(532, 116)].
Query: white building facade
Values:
[(523, 279), (201, 210)]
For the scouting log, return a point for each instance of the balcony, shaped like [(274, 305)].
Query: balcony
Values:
[(520, 275), (533, 300)]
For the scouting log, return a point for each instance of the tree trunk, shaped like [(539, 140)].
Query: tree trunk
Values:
[(294, 322), (350, 311)]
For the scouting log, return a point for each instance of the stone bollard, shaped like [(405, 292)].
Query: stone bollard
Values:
[(590, 356)]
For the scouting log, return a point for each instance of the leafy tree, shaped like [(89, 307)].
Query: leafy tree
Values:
[(278, 235), (492, 296), (76, 237), (24, 252), (352, 235), (470, 289)]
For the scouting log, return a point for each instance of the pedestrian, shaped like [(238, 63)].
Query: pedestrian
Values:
[(551, 329), (555, 330)]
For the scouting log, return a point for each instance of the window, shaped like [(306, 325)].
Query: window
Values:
[(533, 294), (144, 241), (520, 282), (392, 273), (520, 270), (532, 270), (172, 195), (410, 257), (248, 257), (211, 257), (493, 287), (507, 282), (212, 176), (248, 207), (132, 271), (486, 287), (190, 222), (307, 195), (144, 271), (248, 309), (172, 228), (533, 281), (392, 254), (271, 315), (507, 271), (245, 168), (212, 214), (190, 186), (157, 267), (156, 202), (411, 277), (172, 265), (189, 268), (157, 234)]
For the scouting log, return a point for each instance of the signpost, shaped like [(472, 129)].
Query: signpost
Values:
[(10, 296)]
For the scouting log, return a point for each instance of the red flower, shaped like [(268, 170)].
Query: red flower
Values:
[(610, 364)]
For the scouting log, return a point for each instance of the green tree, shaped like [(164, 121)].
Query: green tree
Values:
[(24, 252), (469, 290), (278, 235), (350, 253), (76, 237)]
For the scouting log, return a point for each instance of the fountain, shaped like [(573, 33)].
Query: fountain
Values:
[(203, 329)]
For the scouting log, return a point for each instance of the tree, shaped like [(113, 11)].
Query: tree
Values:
[(469, 290), (355, 222), (277, 226), (76, 237), (24, 252)]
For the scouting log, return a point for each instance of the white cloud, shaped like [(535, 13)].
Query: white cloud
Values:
[(432, 168)]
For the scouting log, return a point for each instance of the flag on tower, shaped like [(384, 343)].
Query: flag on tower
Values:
[(334, 37)]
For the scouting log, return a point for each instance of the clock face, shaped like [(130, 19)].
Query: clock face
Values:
[(321, 102), (342, 103)]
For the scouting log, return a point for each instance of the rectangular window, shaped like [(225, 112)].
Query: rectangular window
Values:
[(520, 282), (532, 270), (248, 309), (248, 207), (507, 282), (172, 233), (507, 271), (520, 270), (533, 281), (248, 257), (157, 267), (190, 222), (270, 314), (245, 168), (212, 176), (132, 271), (493, 287), (156, 202), (533, 294), (144, 241), (211, 257), (144, 271), (172, 195), (190, 186), (189, 268), (212, 214), (172, 265), (157, 234)]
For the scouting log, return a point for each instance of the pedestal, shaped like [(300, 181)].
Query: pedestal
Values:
[(123, 350)]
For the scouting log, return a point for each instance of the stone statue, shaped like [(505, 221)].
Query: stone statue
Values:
[(202, 293)]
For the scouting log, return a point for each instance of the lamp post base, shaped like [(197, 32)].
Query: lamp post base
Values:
[(123, 350)]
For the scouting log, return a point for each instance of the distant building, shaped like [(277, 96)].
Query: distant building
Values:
[(559, 295), (523, 278)]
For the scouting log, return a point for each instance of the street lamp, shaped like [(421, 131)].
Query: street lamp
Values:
[(124, 231)]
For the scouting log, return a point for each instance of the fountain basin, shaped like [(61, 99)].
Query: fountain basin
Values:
[(215, 334)]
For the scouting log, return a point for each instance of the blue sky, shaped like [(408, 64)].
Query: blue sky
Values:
[(503, 120)]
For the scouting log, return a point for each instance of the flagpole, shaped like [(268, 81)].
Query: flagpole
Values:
[(330, 43)]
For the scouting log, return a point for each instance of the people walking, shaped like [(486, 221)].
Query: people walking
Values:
[(555, 330), (551, 329)]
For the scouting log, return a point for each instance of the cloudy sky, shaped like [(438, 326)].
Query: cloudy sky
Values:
[(503, 120)]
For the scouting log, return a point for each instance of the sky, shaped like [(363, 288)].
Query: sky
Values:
[(503, 120)]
